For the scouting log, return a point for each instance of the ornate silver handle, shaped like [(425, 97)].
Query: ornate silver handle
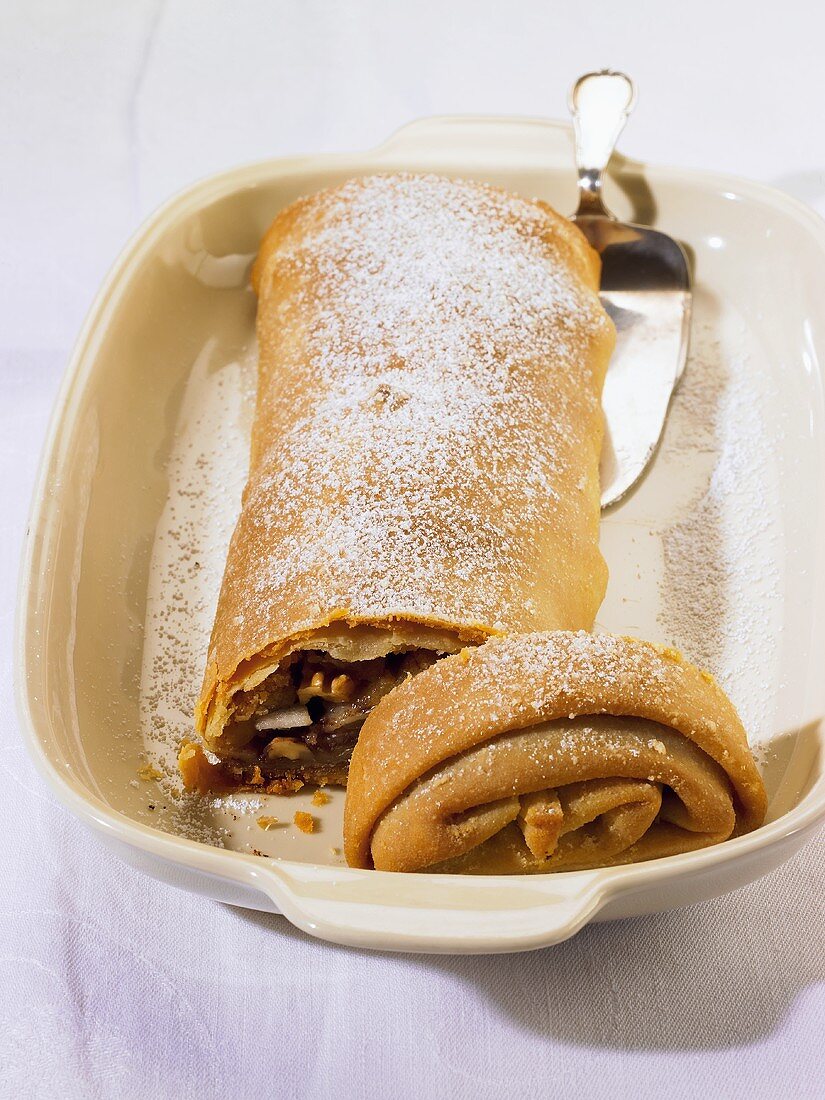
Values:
[(600, 104)]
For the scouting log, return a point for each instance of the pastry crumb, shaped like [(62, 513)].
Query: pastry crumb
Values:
[(149, 772), (283, 784), (304, 821), (672, 655), (320, 798), (267, 823), (335, 851), (197, 771)]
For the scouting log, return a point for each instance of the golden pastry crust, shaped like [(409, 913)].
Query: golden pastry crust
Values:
[(637, 753), (424, 459)]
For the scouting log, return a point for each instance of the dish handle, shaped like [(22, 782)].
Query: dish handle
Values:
[(465, 137), (431, 913)]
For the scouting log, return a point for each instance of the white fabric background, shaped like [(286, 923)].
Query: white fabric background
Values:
[(112, 985)]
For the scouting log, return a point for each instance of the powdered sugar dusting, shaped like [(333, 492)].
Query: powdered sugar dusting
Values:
[(559, 663), (721, 592), (190, 545), (523, 676), (453, 395), (206, 472)]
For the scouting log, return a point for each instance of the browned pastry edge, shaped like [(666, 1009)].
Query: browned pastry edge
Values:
[(203, 776)]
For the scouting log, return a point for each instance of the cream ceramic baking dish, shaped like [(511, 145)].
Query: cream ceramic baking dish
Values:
[(719, 551)]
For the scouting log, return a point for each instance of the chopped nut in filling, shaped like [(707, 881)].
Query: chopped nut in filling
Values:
[(311, 709)]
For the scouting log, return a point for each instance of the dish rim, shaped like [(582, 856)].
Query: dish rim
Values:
[(277, 877)]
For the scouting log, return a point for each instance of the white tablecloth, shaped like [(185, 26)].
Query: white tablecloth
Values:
[(112, 985)]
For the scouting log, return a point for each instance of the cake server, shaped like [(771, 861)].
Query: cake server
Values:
[(645, 287)]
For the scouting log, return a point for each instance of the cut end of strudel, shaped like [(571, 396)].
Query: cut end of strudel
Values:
[(424, 463), (546, 752)]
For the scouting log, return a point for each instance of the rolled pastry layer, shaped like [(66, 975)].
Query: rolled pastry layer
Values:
[(549, 752), (424, 462)]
